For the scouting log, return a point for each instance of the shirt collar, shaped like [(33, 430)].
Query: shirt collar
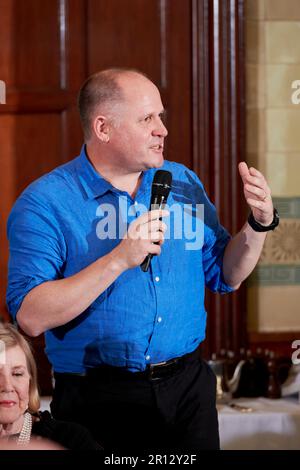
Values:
[(95, 185), (92, 182)]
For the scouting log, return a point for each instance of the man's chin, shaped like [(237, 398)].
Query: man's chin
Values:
[(155, 162)]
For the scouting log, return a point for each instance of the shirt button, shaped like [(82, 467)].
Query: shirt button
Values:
[(148, 358), (159, 319), (157, 278)]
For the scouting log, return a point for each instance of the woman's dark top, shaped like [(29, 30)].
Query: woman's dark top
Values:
[(71, 436)]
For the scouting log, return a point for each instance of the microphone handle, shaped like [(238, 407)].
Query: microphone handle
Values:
[(158, 202), (146, 263)]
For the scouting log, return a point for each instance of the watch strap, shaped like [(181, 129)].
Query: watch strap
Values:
[(263, 228)]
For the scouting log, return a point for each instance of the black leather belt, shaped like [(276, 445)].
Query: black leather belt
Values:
[(152, 372), (168, 368), (163, 369)]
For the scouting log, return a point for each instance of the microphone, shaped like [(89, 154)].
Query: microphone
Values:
[(161, 186)]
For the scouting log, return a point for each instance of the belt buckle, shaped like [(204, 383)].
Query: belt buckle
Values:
[(153, 367)]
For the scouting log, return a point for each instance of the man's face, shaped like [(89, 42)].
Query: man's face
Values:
[(137, 135)]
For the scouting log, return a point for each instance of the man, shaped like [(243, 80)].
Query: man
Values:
[(123, 342)]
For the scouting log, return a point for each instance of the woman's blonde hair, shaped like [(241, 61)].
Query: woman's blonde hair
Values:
[(11, 337)]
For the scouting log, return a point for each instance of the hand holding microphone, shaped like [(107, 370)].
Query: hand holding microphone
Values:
[(144, 236), (161, 187), (146, 233)]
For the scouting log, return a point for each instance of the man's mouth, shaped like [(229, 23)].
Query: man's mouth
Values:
[(157, 148)]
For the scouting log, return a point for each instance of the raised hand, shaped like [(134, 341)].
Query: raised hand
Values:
[(257, 194)]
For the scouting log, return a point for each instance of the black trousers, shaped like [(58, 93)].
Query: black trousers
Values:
[(128, 413)]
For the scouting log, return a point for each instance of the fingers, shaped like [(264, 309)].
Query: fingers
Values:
[(154, 250), (145, 235), (251, 175), (254, 182), (244, 172), (261, 194), (254, 172), (256, 178), (151, 215), (156, 237), (154, 225), (149, 227), (253, 178), (257, 193), (153, 231), (256, 197), (260, 182)]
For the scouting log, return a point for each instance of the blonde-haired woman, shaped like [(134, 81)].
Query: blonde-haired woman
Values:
[(20, 418)]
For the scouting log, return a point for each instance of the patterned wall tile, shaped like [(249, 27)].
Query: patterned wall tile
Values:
[(283, 245), (288, 207), (280, 275), (280, 259)]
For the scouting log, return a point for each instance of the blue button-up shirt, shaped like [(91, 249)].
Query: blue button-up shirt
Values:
[(69, 218)]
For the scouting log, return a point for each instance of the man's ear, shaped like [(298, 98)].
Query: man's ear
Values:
[(101, 128)]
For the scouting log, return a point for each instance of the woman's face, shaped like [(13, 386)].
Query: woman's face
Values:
[(14, 385)]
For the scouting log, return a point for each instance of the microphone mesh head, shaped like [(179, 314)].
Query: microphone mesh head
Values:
[(162, 183)]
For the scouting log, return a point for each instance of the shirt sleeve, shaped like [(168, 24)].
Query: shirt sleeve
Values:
[(37, 248), (216, 238)]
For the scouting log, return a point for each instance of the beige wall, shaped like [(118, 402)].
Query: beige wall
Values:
[(273, 145)]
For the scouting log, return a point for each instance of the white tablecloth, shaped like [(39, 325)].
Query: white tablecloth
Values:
[(272, 424)]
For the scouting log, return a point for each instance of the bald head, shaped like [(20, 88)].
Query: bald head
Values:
[(102, 92)]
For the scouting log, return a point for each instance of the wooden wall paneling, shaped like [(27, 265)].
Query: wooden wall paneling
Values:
[(202, 112), (124, 34), (201, 90), (74, 70), (75, 37), (132, 34), (218, 135), (38, 146), (227, 138), (233, 208), (176, 78), (221, 138), (155, 38), (7, 48), (7, 136), (36, 58), (7, 184), (240, 208)]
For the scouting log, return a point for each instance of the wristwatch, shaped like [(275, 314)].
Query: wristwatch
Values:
[(263, 228)]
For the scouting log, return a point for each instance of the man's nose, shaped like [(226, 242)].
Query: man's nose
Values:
[(160, 129)]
